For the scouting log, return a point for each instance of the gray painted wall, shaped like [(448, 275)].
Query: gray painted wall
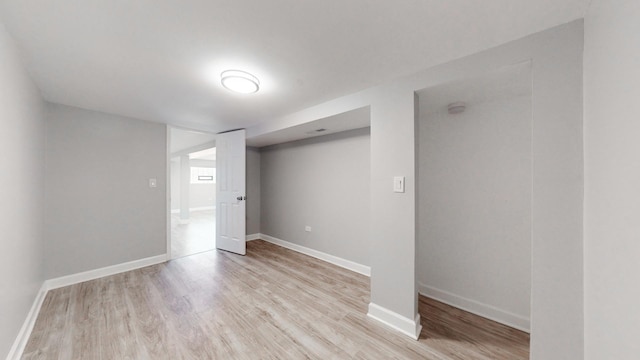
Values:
[(393, 215), (100, 210), (557, 313), (474, 246), (557, 328), (22, 184), (612, 180), (322, 182), (253, 191)]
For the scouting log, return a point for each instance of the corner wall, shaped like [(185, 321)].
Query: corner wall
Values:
[(100, 210), (612, 180), (22, 184)]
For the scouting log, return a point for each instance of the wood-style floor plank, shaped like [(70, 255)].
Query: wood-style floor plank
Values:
[(271, 304)]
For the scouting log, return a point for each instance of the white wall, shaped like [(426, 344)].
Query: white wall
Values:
[(174, 173), (474, 217), (100, 210), (205, 194), (22, 184), (612, 180), (321, 182), (200, 195)]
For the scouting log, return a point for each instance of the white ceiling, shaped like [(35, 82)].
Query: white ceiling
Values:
[(181, 140), (508, 82), (354, 119), (159, 60), (206, 154)]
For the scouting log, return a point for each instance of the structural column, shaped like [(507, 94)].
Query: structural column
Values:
[(185, 181), (393, 214)]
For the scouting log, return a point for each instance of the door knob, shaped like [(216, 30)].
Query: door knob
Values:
[(240, 198)]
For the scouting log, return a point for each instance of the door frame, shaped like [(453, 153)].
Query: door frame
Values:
[(169, 253)]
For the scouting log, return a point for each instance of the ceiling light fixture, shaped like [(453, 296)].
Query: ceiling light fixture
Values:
[(239, 81)]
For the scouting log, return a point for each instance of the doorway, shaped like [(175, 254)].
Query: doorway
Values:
[(475, 197), (192, 193)]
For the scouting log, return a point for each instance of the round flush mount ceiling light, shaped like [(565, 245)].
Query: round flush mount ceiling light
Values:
[(239, 81)]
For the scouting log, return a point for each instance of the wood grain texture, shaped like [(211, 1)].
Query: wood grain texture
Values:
[(273, 303)]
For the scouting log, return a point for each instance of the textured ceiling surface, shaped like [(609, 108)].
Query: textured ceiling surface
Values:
[(160, 60)]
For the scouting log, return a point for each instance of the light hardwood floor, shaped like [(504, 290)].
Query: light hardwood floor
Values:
[(271, 304)]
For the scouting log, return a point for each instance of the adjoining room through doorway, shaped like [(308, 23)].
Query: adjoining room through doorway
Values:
[(193, 192)]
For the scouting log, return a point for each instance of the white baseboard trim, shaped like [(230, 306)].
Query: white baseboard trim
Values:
[(252, 237), (475, 307), (102, 272), (202, 208), (25, 331), (347, 264), (198, 208), (411, 328)]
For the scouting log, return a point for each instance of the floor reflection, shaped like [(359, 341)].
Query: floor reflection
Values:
[(195, 237)]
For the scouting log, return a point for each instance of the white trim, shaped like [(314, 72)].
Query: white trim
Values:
[(25, 331), (102, 272), (167, 200), (252, 237), (202, 208), (411, 328), (475, 307), (347, 264)]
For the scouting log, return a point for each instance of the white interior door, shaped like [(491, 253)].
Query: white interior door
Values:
[(230, 192)]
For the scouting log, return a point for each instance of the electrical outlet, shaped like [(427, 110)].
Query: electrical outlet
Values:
[(307, 228)]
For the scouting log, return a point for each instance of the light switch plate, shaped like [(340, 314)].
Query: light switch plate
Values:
[(153, 183), (398, 184)]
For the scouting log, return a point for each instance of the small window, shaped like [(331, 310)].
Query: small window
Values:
[(203, 175)]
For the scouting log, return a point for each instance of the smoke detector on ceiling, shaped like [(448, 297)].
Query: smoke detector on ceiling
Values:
[(456, 107)]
